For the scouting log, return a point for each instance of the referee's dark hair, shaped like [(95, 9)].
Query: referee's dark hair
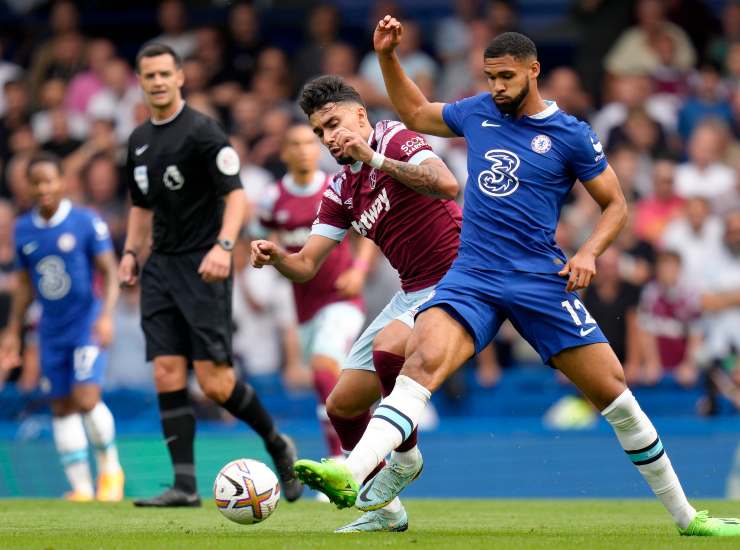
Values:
[(326, 89), (44, 157), (154, 49), (514, 44)]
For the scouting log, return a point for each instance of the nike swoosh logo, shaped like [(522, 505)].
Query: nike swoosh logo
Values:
[(140, 150), (487, 124), (238, 489), (170, 439), (362, 496), (586, 332)]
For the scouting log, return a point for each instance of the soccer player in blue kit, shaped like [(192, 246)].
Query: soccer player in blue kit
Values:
[(524, 155), (58, 248)]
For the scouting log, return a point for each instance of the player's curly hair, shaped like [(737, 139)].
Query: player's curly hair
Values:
[(326, 89), (511, 43)]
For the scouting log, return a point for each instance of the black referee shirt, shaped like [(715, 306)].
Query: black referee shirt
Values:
[(181, 168)]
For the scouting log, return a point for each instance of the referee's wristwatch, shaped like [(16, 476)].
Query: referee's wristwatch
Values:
[(226, 244)]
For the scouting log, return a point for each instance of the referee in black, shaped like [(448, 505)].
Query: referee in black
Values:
[(187, 201)]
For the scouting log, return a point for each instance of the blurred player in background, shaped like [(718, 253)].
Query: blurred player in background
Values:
[(524, 155), (187, 196), (407, 209), (329, 307), (59, 247)]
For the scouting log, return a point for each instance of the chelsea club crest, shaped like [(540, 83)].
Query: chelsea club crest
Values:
[(541, 144)]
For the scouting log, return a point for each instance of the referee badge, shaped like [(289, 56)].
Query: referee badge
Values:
[(141, 178), (541, 144)]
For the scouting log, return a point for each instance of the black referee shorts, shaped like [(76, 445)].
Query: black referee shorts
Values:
[(180, 313)]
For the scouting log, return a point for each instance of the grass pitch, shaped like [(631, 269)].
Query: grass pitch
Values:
[(467, 524)]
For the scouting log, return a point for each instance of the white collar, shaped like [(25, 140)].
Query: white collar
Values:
[(551, 109), (355, 167), (59, 216), (169, 118), (312, 188)]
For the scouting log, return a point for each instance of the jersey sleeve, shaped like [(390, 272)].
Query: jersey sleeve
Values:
[(454, 113), (138, 180), (408, 146), (20, 262), (221, 157), (99, 240), (587, 157), (332, 220)]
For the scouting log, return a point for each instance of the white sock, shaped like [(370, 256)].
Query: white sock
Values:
[(409, 458), (102, 432), (391, 424), (394, 506), (71, 443), (642, 444)]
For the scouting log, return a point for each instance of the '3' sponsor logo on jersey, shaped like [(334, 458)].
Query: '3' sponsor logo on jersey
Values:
[(501, 179)]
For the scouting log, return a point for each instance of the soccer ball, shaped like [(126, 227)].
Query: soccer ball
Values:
[(246, 491)]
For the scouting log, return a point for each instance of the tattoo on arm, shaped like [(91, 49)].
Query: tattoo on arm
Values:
[(422, 178)]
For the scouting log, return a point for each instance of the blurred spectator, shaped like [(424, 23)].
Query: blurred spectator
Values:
[(118, 99), (101, 140), (60, 141), (16, 113), (173, 19), (63, 53), (637, 256), (19, 187), (709, 100), (322, 30), (219, 76), (419, 66), (254, 179), (656, 211), (51, 98), (100, 179), (7, 256), (500, 17), (641, 132), (697, 237), (719, 46), (244, 42), (704, 174), (8, 72), (613, 303), (671, 335), (632, 170), (452, 39), (87, 83), (563, 85), (668, 76), (635, 51)]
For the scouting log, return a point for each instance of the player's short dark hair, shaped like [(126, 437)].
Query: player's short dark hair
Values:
[(511, 43), (154, 49), (43, 157), (326, 89)]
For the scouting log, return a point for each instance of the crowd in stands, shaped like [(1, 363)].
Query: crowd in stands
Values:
[(659, 80)]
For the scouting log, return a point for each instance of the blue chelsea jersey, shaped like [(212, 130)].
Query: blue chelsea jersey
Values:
[(59, 255), (519, 172)]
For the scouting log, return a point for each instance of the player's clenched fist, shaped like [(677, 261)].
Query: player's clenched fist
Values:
[(387, 35), (265, 253), (353, 145)]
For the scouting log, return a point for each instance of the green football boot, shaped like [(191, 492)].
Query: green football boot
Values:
[(705, 526), (378, 520), (331, 478)]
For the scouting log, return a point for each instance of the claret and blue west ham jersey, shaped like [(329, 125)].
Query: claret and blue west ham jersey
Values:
[(519, 172), (59, 255)]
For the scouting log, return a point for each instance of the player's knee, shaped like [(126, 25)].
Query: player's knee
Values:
[(341, 405), (390, 341), (86, 402), (167, 374), (218, 386)]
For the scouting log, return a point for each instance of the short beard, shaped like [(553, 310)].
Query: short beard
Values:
[(512, 106), (345, 160)]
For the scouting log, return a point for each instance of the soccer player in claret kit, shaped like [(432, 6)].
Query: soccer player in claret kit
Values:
[(404, 204), (329, 307), (185, 189), (58, 249), (524, 155)]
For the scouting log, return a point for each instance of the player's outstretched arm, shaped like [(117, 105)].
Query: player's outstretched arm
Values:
[(138, 234), (415, 110), (606, 191), (299, 267), (10, 344), (106, 264)]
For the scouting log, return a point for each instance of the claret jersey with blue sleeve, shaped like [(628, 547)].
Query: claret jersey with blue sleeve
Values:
[(59, 256), (519, 172)]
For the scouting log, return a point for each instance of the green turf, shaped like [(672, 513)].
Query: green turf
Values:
[(518, 524)]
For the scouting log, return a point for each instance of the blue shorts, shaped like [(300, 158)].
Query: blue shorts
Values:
[(66, 364), (547, 316)]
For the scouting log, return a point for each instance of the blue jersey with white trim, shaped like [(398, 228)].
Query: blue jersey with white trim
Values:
[(59, 255), (519, 172)]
